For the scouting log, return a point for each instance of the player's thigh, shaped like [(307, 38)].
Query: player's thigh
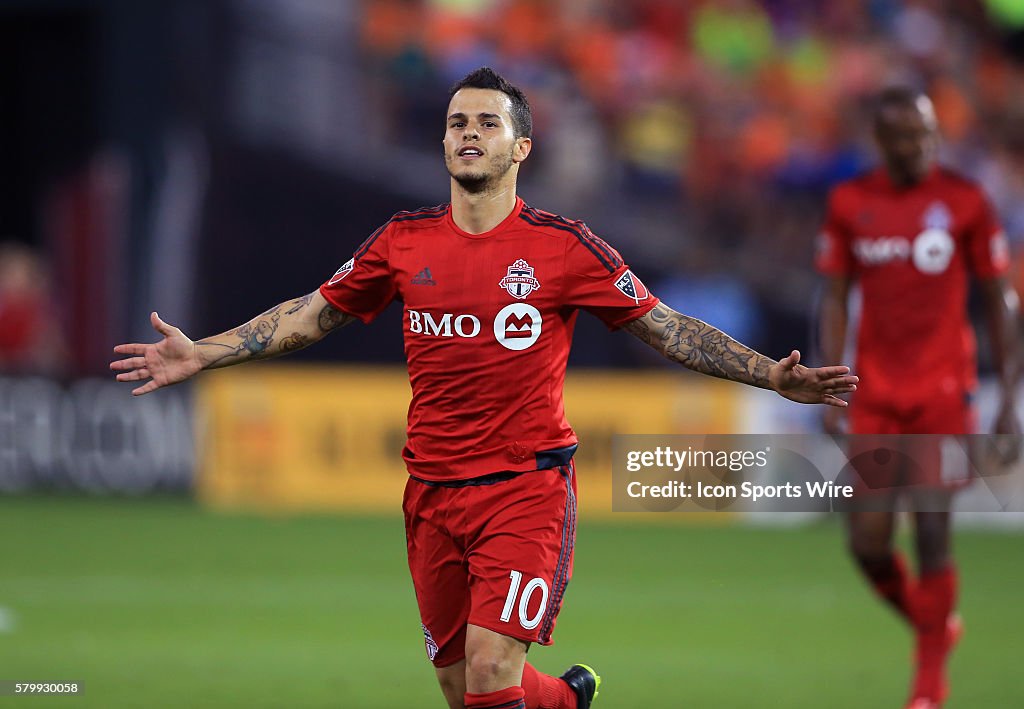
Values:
[(521, 559), (941, 447), (439, 574), (876, 467)]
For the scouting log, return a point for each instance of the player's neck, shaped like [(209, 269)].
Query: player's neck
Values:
[(479, 212), (905, 177)]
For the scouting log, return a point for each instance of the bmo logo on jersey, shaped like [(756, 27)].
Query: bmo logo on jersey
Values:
[(930, 251), (446, 325), (517, 326)]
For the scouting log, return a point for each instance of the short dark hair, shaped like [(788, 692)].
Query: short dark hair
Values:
[(903, 98), (486, 78), (896, 97)]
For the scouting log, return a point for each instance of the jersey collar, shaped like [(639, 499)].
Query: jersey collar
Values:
[(505, 223)]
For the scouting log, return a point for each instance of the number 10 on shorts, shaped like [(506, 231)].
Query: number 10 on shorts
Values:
[(524, 600)]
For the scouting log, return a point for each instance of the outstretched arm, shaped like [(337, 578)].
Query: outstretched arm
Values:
[(284, 328), (706, 349)]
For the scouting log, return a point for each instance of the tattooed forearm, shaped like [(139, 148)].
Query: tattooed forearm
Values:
[(331, 318), (216, 354), (701, 347), (294, 341), (641, 330), (299, 303), (260, 337)]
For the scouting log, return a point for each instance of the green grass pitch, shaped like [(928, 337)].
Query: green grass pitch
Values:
[(159, 603)]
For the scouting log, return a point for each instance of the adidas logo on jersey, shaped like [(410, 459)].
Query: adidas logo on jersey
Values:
[(423, 278)]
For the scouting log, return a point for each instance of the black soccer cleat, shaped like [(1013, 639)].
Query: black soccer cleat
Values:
[(584, 682)]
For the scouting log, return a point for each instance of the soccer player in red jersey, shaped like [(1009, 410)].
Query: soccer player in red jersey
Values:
[(490, 289), (911, 234)]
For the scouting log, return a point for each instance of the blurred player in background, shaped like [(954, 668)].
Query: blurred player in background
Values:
[(911, 234), (491, 288)]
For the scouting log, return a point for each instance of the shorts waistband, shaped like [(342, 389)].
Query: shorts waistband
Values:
[(491, 479)]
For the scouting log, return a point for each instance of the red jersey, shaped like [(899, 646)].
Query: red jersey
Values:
[(488, 321), (912, 250)]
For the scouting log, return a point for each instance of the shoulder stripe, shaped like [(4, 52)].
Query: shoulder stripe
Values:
[(365, 246), (423, 213), (603, 245), (585, 233), (599, 248), (564, 227)]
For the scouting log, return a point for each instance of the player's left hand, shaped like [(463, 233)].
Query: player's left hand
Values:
[(811, 385)]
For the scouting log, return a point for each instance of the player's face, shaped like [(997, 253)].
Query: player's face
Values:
[(480, 146), (906, 135)]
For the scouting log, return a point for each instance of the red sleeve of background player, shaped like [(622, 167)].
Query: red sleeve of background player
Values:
[(988, 252), (597, 280), (832, 252), (364, 286)]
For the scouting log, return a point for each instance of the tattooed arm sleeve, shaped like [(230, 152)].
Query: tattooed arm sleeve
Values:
[(700, 347), (284, 328)]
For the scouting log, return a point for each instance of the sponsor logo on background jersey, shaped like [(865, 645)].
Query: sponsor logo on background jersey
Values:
[(519, 281), (343, 271), (632, 287), (934, 246), (933, 250), (930, 252), (517, 326), (875, 252)]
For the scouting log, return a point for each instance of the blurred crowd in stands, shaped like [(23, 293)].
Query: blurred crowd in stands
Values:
[(698, 136), (719, 126)]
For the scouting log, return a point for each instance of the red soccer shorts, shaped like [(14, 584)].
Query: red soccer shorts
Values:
[(497, 555), (888, 454)]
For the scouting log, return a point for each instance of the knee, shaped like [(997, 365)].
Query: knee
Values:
[(487, 667), (869, 552)]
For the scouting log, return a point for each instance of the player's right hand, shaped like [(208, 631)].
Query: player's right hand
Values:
[(833, 420), (169, 361)]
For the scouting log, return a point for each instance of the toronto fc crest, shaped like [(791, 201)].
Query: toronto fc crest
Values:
[(428, 640), (519, 282)]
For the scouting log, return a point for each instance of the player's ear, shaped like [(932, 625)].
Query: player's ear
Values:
[(522, 149)]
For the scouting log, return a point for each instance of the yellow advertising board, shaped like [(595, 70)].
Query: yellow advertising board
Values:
[(294, 437)]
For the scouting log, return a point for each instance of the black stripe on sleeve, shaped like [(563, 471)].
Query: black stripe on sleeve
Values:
[(424, 213), (564, 226), (584, 231)]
